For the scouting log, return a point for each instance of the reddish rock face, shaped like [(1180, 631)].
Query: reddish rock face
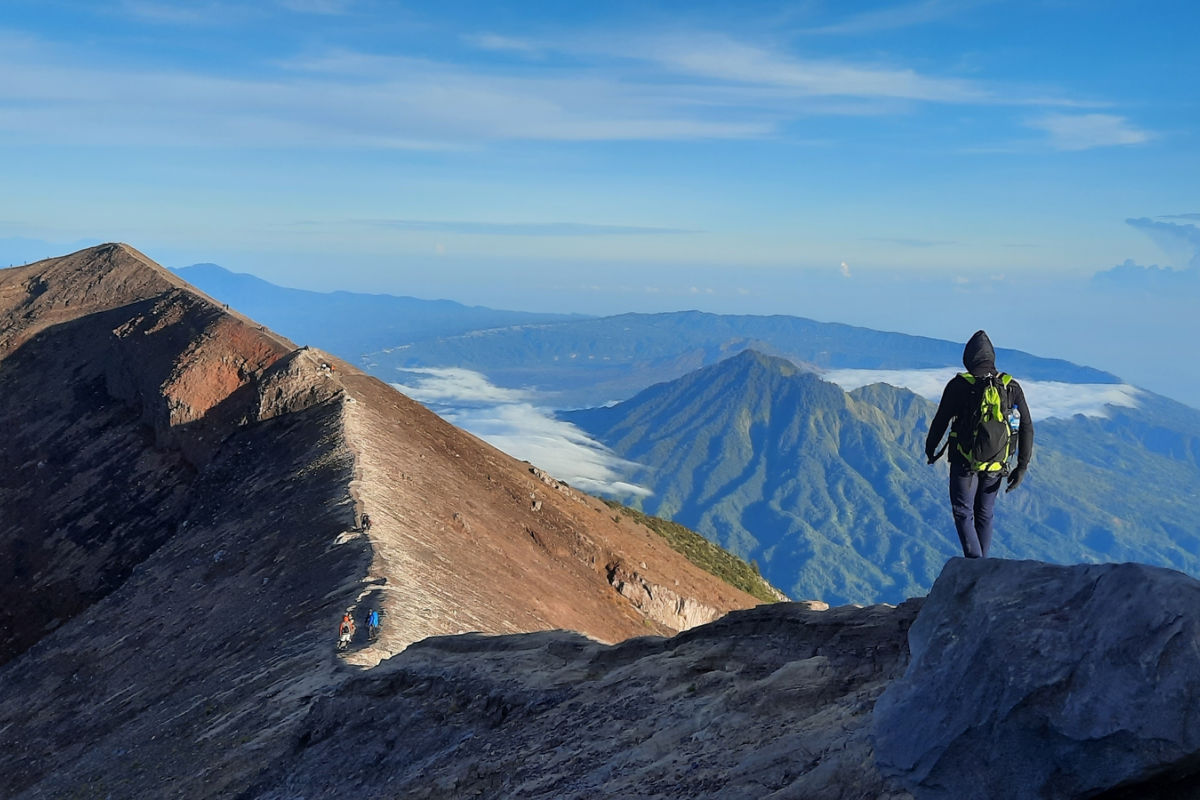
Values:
[(179, 490)]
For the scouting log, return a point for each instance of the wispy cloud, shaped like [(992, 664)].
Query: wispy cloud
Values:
[(1047, 399), (1128, 275), (206, 13), (723, 58), (345, 99), (504, 44), (906, 242), (511, 420), (1088, 131), (524, 228), (323, 7), (636, 87), (1180, 216), (896, 17)]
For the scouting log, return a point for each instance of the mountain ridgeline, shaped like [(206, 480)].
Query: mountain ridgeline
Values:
[(179, 535), (590, 362), (829, 493), (576, 360), (350, 324)]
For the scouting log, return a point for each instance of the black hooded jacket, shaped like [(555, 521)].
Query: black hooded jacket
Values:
[(979, 357)]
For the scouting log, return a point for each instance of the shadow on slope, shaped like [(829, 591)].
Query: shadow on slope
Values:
[(175, 538)]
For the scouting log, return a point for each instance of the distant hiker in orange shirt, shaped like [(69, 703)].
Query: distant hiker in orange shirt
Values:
[(345, 631)]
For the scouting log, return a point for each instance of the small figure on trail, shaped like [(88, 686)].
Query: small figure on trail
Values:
[(989, 421), (345, 631), (365, 524), (373, 625)]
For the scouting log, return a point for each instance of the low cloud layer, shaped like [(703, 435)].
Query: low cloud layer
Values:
[(513, 421), (510, 420), (1047, 399)]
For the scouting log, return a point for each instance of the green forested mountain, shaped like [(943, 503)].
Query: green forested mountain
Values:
[(829, 492)]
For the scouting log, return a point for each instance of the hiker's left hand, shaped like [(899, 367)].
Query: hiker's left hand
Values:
[(1014, 478)]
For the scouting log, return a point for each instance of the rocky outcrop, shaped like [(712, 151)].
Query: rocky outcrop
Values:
[(1049, 681), (660, 603), (1025, 680), (772, 702)]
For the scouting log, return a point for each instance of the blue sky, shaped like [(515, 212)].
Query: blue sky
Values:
[(819, 158)]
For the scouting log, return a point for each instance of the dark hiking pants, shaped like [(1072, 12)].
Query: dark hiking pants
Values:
[(972, 500)]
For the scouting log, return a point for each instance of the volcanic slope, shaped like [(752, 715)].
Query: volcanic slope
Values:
[(177, 542)]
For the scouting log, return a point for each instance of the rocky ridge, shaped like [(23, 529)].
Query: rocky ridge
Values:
[(178, 540)]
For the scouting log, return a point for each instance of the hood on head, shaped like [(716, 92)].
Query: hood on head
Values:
[(979, 355)]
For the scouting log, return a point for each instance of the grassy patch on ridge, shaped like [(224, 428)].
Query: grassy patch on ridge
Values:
[(706, 555)]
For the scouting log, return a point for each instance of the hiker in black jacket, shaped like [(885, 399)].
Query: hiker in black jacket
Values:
[(973, 492)]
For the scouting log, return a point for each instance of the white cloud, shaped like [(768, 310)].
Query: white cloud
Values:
[(614, 88), (461, 388), (1089, 399), (510, 420), (1180, 241), (1047, 399), (1087, 131), (722, 58), (158, 11), (345, 99), (902, 16), (496, 42), (925, 382), (325, 7)]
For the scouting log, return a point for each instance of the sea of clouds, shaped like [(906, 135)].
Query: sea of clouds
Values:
[(522, 424), (514, 421), (1046, 399)]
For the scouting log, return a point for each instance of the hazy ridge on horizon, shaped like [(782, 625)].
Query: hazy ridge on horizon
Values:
[(1095, 323)]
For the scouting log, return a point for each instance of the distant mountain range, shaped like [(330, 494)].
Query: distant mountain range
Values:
[(577, 361), (350, 324), (829, 492), (591, 361)]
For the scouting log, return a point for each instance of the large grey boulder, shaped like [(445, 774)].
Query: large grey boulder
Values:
[(1029, 680)]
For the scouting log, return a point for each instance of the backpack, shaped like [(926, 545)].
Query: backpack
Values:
[(988, 442)]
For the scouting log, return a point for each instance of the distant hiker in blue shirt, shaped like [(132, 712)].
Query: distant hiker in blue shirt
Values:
[(990, 421), (373, 624)]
